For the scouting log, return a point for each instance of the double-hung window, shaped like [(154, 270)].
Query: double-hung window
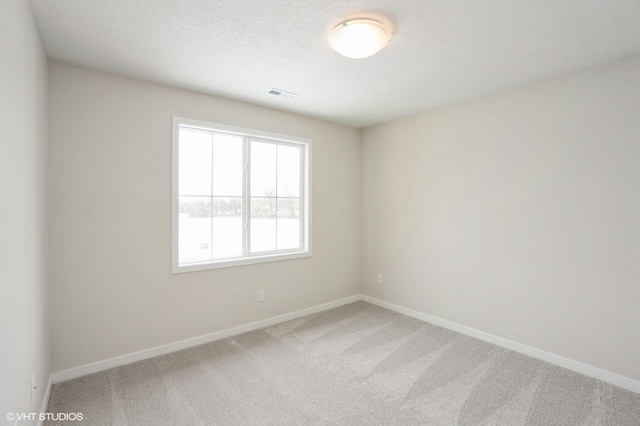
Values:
[(240, 196)]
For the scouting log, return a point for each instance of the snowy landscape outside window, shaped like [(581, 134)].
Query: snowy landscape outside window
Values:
[(240, 196)]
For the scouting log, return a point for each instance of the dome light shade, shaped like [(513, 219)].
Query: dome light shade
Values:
[(359, 38)]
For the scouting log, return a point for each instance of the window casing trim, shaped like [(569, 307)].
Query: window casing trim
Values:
[(251, 134)]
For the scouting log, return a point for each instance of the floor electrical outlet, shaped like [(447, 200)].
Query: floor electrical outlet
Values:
[(33, 387)]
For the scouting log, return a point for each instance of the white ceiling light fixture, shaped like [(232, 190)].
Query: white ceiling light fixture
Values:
[(359, 38)]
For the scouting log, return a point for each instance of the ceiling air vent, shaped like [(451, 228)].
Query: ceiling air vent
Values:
[(281, 93)]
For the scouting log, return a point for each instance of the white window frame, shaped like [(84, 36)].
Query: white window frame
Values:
[(248, 135)]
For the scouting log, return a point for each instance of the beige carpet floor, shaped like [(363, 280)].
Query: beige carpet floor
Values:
[(358, 364)]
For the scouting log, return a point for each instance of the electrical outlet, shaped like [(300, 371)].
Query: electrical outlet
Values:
[(380, 279), (33, 386), (260, 295)]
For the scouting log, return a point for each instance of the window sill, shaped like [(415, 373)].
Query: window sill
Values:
[(192, 267)]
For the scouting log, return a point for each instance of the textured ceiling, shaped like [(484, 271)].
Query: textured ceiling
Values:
[(442, 51)]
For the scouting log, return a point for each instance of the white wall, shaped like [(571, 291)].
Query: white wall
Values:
[(517, 214), (112, 288), (24, 328)]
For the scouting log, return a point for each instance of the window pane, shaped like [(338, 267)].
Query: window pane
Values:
[(263, 169), (194, 162), (227, 227), (288, 171), (263, 224), (194, 229), (288, 223), (227, 165)]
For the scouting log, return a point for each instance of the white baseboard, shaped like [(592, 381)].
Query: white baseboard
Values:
[(569, 364), (45, 400), (106, 364), (587, 370)]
